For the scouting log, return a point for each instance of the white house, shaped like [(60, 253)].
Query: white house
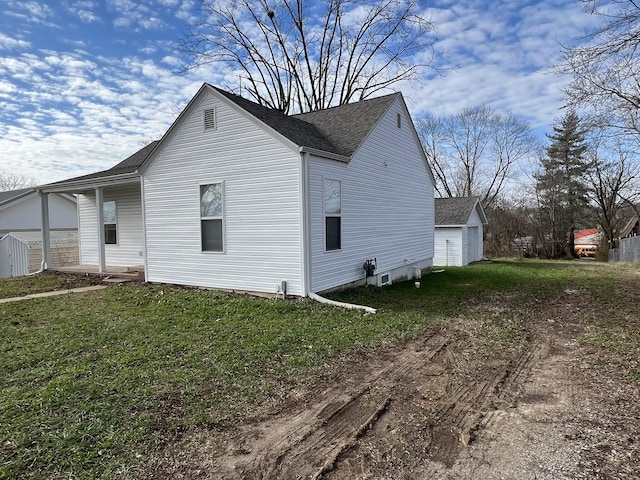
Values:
[(20, 211), (21, 235), (459, 231), (242, 197)]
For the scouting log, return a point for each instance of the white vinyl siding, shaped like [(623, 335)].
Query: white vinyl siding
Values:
[(387, 206), (449, 251), (25, 214), (14, 257), (261, 205), (128, 252)]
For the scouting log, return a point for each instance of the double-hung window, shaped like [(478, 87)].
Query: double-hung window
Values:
[(110, 215), (332, 214), (212, 217)]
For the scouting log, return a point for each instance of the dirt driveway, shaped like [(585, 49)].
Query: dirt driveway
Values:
[(450, 404)]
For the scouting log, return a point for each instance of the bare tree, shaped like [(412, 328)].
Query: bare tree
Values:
[(469, 134), (432, 133), (475, 152), (614, 179), (12, 181), (302, 55), (606, 70)]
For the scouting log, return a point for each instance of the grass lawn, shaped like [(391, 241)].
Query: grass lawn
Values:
[(46, 282), (94, 382)]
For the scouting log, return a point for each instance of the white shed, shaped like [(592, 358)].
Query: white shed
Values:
[(21, 252), (459, 231)]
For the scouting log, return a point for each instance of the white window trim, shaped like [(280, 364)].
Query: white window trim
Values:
[(325, 215), (104, 224), (224, 228)]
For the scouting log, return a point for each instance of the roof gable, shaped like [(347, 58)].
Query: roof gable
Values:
[(457, 210), (346, 126), (337, 131)]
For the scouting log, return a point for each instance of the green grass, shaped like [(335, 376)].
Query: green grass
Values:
[(94, 382), (46, 282)]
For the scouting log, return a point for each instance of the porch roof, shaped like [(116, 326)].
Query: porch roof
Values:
[(124, 172)]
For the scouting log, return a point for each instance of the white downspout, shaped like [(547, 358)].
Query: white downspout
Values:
[(306, 242), (305, 236), (144, 229), (102, 264), (328, 301)]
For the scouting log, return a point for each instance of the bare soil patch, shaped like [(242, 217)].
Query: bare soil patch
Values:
[(450, 404)]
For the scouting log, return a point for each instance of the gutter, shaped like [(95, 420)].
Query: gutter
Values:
[(306, 240), (91, 183)]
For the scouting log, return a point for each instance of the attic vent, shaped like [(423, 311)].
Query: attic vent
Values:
[(210, 119), (399, 120)]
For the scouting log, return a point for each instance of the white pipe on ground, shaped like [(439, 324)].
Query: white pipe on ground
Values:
[(320, 299)]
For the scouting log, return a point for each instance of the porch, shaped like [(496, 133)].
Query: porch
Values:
[(132, 273)]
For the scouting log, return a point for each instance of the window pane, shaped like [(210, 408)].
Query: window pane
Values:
[(211, 200), (109, 212), (332, 196), (110, 235), (332, 232), (212, 240)]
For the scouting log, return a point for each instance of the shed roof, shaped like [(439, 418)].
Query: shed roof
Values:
[(457, 210)]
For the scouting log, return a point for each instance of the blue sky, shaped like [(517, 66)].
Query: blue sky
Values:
[(86, 83)]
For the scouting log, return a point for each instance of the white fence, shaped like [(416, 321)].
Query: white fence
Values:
[(628, 250)]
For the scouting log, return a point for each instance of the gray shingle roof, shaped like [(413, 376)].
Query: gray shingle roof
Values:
[(347, 126), (9, 195), (128, 165), (338, 130), (454, 210)]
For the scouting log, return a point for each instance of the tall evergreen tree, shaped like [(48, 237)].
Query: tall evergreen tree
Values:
[(562, 184)]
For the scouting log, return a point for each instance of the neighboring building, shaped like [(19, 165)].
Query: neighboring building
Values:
[(20, 211), (586, 242), (242, 197), (459, 231), (21, 252), (21, 234)]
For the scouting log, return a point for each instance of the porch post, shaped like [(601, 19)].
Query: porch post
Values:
[(100, 220), (45, 229)]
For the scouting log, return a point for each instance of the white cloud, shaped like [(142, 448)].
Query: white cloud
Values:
[(9, 43), (69, 112)]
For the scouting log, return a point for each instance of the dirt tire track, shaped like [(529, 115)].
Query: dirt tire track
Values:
[(307, 443), (448, 404)]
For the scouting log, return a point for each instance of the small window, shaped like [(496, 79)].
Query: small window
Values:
[(110, 215), (210, 119), (212, 217), (332, 214)]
